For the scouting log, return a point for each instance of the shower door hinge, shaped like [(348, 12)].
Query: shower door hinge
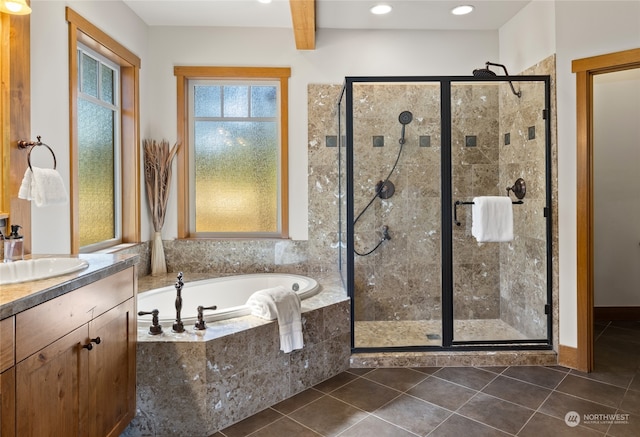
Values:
[(545, 114), (547, 309)]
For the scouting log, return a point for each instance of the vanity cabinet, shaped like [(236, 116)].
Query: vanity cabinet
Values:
[(7, 377), (75, 361)]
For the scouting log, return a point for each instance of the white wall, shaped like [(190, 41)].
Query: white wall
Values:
[(572, 29), (338, 54), (583, 29), (50, 95), (616, 147), (528, 37)]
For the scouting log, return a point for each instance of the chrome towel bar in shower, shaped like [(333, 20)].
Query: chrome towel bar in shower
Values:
[(459, 202)]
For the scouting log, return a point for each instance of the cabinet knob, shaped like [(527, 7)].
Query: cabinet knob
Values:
[(89, 345)]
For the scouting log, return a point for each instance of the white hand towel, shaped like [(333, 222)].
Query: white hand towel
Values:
[(492, 219), (283, 304), (44, 186)]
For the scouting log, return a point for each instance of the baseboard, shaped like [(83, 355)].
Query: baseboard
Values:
[(568, 356), (616, 313)]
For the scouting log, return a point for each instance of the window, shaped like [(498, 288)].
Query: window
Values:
[(233, 172), (99, 182), (105, 152)]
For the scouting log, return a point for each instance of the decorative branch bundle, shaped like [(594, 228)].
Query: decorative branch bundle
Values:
[(157, 176)]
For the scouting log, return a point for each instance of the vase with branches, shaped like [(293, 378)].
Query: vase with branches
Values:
[(158, 159)]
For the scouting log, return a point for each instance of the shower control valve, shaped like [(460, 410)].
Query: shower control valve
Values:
[(385, 233)]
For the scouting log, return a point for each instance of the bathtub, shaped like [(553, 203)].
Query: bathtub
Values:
[(229, 294)]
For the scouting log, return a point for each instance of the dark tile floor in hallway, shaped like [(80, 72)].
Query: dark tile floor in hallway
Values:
[(469, 401)]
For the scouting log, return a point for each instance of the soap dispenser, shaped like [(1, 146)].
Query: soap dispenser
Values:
[(14, 245)]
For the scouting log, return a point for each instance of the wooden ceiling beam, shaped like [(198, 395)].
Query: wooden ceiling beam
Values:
[(303, 16)]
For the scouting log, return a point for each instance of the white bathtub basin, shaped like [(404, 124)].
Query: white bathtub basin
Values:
[(40, 268)]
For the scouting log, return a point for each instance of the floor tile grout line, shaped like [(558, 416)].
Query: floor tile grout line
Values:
[(333, 397), (459, 413), (540, 406), (371, 414), (311, 429), (531, 383), (473, 420), (301, 406), (577, 375), (585, 399), (402, 391), (263, 427)]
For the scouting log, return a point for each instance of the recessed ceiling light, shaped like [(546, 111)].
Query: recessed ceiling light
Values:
[(380, 9), (462, 10), (264, 1)]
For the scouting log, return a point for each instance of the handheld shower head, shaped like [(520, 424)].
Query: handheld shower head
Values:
[(486, 72), (405, 118)]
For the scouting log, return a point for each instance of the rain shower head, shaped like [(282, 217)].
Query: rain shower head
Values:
[(486, 72), (404, 119), (483, 72)]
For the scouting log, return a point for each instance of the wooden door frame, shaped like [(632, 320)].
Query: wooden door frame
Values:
[(585, 69)]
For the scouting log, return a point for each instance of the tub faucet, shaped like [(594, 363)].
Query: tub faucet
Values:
[(179, 326)]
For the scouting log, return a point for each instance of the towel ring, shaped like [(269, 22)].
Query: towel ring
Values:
[(23, 144)]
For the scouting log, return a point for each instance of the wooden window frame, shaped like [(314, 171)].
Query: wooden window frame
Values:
[(81, 30), (186, 73)]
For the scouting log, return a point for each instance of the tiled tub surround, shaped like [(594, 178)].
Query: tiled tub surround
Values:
[(195, 384)]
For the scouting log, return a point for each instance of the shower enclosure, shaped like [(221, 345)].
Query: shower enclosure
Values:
[(414, 152)]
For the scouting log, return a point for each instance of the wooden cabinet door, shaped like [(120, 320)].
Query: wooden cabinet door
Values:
[(112, 370), (51, 391), (7, 403)]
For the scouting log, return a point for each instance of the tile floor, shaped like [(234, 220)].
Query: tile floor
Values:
[(469, 401)]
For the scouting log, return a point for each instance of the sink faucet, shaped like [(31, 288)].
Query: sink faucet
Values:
[(178, 326)]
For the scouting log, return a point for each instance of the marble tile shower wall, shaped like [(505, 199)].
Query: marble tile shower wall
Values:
[(401, 280), (523, 262), (474, 169)]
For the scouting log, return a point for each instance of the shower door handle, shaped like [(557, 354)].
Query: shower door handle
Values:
[(455, 210)]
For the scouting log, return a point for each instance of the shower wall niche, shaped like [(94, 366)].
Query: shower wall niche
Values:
[(416, 278)]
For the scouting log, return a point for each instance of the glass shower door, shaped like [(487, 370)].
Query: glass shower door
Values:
[(498, 141), (397, 219)]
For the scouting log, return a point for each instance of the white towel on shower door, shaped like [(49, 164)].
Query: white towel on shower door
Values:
[(283, 304), (492, 219)]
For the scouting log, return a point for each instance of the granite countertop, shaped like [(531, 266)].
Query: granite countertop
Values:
[(15, 298)]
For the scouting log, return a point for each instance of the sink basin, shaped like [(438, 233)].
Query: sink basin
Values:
[(40, 268)]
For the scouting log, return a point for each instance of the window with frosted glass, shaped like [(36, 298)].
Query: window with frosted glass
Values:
[(98, 151), (235, 158)]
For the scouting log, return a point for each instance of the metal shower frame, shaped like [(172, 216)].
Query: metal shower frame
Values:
[(346, 147)]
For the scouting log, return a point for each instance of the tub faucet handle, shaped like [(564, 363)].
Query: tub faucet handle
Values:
[(155, 327), (200, 324)]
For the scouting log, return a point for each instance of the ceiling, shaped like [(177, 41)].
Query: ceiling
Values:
[(310, 15)]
